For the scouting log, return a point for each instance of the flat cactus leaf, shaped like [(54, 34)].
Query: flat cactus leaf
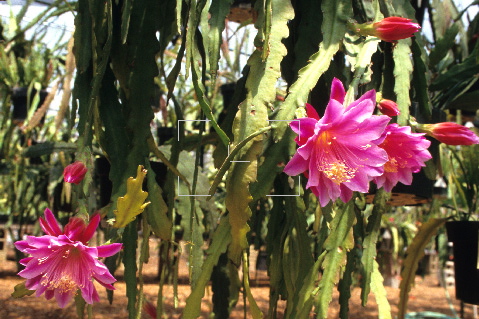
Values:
[(252, 117), (335, 14), (219, 9), (443, 45), (340, 241), (133, 202), (420, 74), (362, 70), (256, 313), (457, 73), (377, 287), (220, 241), (156, 212), (402, 72), (369, 243)]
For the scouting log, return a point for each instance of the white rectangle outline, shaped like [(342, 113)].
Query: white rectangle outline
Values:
[(299, 138), (178, 141)]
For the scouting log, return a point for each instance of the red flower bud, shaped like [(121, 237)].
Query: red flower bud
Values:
[(74, 173), (450, 133), (389, 29), (388, 107)]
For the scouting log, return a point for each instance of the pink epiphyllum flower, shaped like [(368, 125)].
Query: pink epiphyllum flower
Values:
[(450, 133), (407, 153), (337, 152), (74, 173), (61, 263), (389, 29), (388, 107)]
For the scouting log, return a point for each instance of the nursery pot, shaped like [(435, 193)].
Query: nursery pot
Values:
[(419, 192), (20, 103), (464, 236)]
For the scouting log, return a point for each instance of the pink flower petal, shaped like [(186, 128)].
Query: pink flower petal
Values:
[(91, 228), (311, 112), (108, 250), (53, 227), (49, 294), (304, 127), (295, 166), (368, 96), (333, 111), (62, 298), (337, 91)]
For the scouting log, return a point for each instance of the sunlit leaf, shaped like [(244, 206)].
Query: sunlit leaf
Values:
[(133, 202), (414, 253)]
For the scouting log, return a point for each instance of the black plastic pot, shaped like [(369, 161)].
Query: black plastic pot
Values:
[(419, 192), (464, 236), (20, 103)]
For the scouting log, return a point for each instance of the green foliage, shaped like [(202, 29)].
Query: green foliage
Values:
[(373, 228), (402, 73), (156, 212), (377, 287), (414, 253), (220, 241), (252, 117), (334, 26), (339, 242)]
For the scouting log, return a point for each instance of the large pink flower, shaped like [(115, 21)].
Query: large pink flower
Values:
[(61, 263), (407, 153), (337, 152)]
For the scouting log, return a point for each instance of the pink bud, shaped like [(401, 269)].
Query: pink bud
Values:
[(389, 29), (450, 133), (392, 29), (388, 107), (74, 173)]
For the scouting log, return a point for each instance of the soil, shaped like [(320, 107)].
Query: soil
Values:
[(427, 295)]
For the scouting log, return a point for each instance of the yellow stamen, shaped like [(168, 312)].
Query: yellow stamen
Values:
[(64, 284), (333, 165), (338, 172), (391, 166)]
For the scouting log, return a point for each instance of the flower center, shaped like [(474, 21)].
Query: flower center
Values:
[(391, 165), (338, 172), (64, 283), (332, 159), (64, 271)]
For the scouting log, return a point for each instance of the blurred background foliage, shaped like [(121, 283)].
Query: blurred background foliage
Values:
[(200, 93)]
